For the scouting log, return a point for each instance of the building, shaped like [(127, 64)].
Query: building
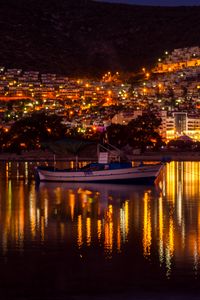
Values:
[(180, 123), (124, 117)]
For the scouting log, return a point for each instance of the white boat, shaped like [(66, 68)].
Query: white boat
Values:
[(103, 172)]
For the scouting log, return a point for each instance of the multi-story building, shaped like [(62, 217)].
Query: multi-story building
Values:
[(180, 123)]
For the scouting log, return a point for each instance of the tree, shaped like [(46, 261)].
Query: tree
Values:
[(184, 92), (140, 133), (116, 135), (2, 138), (33, 130), (143, 132), (171, 96), (180, 144)]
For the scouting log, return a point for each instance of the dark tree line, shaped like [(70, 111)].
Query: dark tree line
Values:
[(33, 131), (139, 133)]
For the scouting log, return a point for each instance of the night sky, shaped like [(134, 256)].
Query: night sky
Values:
[(157, 2)]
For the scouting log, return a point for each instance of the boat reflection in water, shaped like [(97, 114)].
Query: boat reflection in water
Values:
[(101, 212), (145, 232)]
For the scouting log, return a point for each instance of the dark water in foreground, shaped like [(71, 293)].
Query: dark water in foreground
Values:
[(80, 241)]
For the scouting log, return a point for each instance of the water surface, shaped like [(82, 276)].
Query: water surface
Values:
[(71, 241)]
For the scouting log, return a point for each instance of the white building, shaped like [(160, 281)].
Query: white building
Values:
[(180, 123)]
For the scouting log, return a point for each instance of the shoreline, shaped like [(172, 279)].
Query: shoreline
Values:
[(148, 156)]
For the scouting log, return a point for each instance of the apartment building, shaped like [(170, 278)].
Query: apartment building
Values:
[(180, 123)]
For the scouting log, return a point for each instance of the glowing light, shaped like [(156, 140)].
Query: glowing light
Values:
[(99, 229), (108, 242), (88, 231), (161, 228), (80, 234), (147, 229), (72, 204)]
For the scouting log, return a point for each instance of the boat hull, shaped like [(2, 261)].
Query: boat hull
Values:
[(139, 175)]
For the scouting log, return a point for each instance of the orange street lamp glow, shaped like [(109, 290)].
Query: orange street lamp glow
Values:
[(147, 75)]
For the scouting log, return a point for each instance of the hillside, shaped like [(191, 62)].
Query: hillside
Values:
[(87, 38)]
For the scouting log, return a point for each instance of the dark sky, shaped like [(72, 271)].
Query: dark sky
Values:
[(157, 2)]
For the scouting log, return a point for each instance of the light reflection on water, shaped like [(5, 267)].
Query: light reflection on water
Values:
[(159, 225)]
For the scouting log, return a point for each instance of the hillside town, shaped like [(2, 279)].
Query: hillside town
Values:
[(171, 90)]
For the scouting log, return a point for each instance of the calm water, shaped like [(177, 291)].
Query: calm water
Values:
[(74, 241)]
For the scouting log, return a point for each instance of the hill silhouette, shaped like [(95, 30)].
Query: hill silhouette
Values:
[(87, 38)]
